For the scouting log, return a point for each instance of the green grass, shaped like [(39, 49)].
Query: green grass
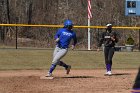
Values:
[(12, 59)]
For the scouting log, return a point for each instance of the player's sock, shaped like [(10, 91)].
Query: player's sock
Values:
[(108, 67), (52, 68), (63, 64)]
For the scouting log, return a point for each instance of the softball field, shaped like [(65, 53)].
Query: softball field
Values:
[(20, 72)]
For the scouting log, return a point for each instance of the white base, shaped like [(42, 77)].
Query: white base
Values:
[(46, 77)]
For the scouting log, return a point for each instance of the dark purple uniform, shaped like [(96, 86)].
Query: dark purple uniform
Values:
[(109, 39)]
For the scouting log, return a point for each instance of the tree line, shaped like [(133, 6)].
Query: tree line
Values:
[(55, 12)]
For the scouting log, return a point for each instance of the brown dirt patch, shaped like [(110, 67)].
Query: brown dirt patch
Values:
[(79, 81)]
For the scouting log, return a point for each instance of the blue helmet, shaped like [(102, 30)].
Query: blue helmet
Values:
[(68, 23)]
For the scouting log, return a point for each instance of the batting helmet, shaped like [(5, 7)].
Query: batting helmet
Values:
[(68, 23), (109, 25)]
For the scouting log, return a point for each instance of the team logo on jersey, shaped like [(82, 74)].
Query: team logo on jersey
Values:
[(107, 37), (67, 34)]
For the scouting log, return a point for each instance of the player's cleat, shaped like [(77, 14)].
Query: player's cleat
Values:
[(68, 69), (108, 73), (48, 76)]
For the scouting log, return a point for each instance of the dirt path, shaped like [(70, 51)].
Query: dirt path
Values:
[(79, 81)]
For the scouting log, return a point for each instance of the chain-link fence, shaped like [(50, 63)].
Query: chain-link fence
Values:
[(43, 37)]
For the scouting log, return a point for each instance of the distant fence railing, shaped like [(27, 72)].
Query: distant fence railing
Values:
[(59, 26), (39, 25)]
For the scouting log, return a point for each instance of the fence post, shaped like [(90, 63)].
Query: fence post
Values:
[(139, 40), (98, 36), (16, 31)]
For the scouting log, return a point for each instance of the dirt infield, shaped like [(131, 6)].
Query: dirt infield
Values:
[(79, 81)]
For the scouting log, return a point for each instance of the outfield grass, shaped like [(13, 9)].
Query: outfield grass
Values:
[(12, 59)]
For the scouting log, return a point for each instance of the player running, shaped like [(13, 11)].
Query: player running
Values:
[(108, 38), (62, 39)]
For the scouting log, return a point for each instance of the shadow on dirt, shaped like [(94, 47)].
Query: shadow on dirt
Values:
[(116, 74), (79, 77), (120, 74)]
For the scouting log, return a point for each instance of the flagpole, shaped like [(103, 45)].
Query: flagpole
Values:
[(89, 34), (89, 16)]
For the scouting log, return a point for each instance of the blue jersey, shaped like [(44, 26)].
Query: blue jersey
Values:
[(65, 37)]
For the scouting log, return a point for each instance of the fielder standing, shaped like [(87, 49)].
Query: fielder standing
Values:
[(62, 38), (108, 38)]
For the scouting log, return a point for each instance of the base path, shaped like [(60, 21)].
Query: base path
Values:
[(78, 81)]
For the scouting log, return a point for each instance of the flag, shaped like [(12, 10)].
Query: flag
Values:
[(89, 9)]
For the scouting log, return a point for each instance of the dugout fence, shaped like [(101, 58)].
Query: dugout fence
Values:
[(42, 36)]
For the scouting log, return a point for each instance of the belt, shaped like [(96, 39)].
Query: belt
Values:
[(62, 47), (109, 47)]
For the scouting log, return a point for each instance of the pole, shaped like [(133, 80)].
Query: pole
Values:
[(89, 34), (98, 36), (16, 31), (16, 37), (139, 40), (89, 16)]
